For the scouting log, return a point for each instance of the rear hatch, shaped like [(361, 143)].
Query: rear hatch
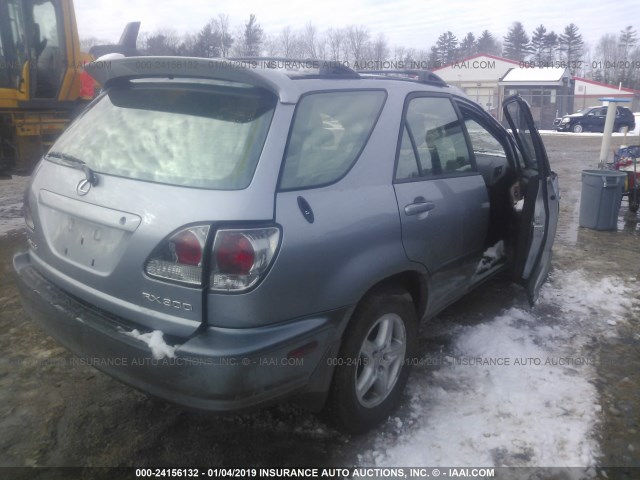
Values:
[(127, 202)]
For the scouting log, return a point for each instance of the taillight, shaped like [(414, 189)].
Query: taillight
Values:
[(179, 258), (240, 257), (187, 248)]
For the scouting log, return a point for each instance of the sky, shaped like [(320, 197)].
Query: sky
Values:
[(409, 23)]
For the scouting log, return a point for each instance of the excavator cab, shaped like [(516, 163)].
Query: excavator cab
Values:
[(39, 51), (40, 76)]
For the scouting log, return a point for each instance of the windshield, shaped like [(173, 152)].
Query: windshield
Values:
[(207, 136)]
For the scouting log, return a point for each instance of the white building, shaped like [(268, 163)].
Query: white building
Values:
[(551, 92), (586, 94), (547, 90), (478, 76)]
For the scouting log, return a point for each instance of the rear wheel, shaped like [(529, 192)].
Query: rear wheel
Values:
[(577, 128), (372, 368)]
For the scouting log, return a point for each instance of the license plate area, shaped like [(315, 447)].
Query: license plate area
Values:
[(89, 236), (86, 243)]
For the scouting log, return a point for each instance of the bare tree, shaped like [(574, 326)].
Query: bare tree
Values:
[(308, 40), (606, 51), (226, 39), (357, 37), (322, 47), (161, 42), (88, 42), (380, 48), (336, 44), (399, 53), (271, 46), (187, 47)]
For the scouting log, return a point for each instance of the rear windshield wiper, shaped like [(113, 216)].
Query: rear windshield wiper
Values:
[(75, 162)]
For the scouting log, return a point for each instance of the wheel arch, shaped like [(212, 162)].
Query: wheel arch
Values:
[(413, 282)]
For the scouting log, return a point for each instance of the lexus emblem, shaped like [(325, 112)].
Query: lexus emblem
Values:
[(83, 187)]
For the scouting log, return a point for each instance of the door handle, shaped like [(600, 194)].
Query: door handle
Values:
[(419, 207)]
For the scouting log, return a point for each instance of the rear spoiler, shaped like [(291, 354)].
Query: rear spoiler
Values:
[(108, 70), (126, 45)]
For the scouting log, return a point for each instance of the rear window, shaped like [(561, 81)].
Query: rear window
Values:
[(329, 131), (195, 135)]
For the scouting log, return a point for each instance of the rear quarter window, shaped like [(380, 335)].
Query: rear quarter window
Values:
[(195, 135), (329, 131)]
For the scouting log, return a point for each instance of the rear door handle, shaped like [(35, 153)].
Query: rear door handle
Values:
[(419, 207)]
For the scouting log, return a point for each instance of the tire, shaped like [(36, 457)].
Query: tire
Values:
[(372, 367), (622, 129), (577, 128)]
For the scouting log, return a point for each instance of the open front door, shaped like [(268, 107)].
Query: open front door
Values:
[(541, 200)]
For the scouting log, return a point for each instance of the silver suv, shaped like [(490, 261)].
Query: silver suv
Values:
[(224, 235)]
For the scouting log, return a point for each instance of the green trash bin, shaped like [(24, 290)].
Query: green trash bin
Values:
[(600, 198)]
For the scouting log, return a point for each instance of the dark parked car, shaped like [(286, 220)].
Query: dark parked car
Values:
[(592, 120), (235, 236)]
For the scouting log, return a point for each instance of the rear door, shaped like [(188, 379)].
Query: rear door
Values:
[(541, 200)]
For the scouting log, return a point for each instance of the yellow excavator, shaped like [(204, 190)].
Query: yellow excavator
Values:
[(40, 76)]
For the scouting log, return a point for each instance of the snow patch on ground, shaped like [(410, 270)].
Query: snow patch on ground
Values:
[(155, 341), (11, 194), (491, 257), (515, 390), (597, 301)]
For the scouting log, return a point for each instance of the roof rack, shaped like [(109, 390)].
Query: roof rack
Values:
[(325, 68), (422, 76)]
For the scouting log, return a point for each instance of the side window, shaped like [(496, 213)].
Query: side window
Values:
[(407, 161), (49, 52), (18, 36), (434, 132), (521, 132), (44, 15), (482, 141), (5, 74), (329, 131), (490, 155)]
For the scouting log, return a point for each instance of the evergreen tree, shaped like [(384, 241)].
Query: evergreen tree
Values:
[(626, 41), (487, 44), (207, 43), (538, 45), (446, 48), (571, 45), (550, 47), (516, 43), (253, 37), (468, 46)]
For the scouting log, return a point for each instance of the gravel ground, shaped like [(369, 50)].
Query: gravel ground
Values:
[(11, 193), (55, 411)]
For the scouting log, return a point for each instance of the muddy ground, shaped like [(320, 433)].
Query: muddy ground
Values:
[(57, 412)]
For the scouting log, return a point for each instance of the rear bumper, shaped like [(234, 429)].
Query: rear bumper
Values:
[(217, 369)]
